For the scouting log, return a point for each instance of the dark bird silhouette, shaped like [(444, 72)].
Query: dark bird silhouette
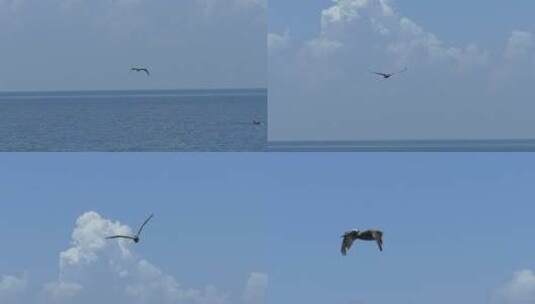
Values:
[(388, 75), (134, 238), (257, 122), (369, 235), (141, 70)]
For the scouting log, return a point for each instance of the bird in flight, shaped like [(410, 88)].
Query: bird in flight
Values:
[(369, 235), (388, 75), (134, 238), (141, 70), (257, 122)]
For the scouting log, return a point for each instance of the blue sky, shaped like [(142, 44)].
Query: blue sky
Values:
[(91, 45), (208, 219), (470, 69), (457, 226)]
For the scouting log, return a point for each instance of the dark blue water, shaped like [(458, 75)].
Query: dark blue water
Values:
[(490, 145), (188, 120)]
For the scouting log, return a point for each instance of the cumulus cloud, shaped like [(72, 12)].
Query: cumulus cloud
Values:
[(92, 270), (377, 21), (520, 45), (322, 90), (56, 292), (520, 290), (88, 240), (255, 290), (322, 47), (11, 288), (277, 42)]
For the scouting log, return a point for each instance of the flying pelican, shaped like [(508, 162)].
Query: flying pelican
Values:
[(369, 235), (141, 69), (134, 238), (388, 75)]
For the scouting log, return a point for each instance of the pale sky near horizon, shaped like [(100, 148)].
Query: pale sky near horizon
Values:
[(471, 66), (91, 45), (265, 228)]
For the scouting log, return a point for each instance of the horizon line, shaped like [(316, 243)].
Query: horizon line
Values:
[(404, 145), (123, 90)]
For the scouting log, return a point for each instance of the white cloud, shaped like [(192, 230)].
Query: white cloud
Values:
[(348, 10), (520, 45), (322, 47), (520, 290), (56, 292), (154, 286), (95, 270), (516, 70), (321, 89), (255, 290), (378, 22), (11, 287), (277, 42), (88, 240)]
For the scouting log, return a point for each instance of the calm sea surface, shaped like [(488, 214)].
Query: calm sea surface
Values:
[(186, 120), (505, 145)]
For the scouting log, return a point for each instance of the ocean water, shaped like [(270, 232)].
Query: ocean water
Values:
[(477, 145), (185, 120)]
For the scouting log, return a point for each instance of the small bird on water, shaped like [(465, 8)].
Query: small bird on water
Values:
[(137, 69), (368, 235), (388, 75), (134, 238)]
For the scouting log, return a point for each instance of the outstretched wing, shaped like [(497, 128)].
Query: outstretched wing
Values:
[(119, 236), (378, 237), (146, 71), (146, 221), (380, 74), (348, 239)]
